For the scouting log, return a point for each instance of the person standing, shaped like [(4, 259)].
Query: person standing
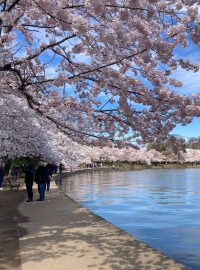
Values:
[(41, 180), (1, 175), (48, 173), (55, 168), (15, 173), (60, 176), (29, 176)]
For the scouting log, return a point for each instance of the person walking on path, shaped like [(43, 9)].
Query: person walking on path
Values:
[(48, 176), (55, 168), (15, 173), (41, 180), (60, 176), (29, 176), (1, 175)]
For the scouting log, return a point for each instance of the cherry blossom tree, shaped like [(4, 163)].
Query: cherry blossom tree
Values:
[(100, 70), (24, 134), (113, 154), (192, 155), (155, 156), (193, 143)]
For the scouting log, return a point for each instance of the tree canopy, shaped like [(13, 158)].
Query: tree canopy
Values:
[(99, 71)]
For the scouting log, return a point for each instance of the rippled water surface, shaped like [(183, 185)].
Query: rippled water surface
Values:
[(161, 207)]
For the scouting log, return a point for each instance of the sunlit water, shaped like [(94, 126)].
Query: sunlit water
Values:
[(160, 207)]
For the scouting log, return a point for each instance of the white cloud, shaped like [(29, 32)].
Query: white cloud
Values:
[(191, 81), (51, 72)]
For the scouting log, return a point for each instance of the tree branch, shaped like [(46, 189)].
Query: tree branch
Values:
[(107, 65), (44, 49), (12, 5)]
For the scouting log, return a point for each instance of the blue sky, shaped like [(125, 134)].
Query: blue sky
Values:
[(191, 130), (191, 84)]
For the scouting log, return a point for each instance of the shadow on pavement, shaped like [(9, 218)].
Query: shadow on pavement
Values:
[(10, 230), (67, 236)]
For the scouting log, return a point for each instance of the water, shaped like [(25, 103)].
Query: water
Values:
[(160, 207)]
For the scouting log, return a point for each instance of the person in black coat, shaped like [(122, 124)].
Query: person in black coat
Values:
[(48, 176), (41, 180), (29, 176)]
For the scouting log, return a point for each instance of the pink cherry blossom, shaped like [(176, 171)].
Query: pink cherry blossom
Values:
[(110, 62)]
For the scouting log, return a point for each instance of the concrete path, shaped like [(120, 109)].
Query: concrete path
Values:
[(9, 229), (58, 234)]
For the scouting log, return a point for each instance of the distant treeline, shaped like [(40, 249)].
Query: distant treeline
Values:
[(177, 144)]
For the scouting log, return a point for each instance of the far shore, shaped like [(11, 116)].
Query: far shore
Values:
[(123, 167)]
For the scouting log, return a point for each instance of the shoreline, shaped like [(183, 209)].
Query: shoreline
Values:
[(126, 168), (63, 235)]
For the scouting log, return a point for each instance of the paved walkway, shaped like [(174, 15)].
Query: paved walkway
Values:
[(9, 229), (58, 234)]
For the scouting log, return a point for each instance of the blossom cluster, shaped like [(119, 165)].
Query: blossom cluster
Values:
[(100, 71)]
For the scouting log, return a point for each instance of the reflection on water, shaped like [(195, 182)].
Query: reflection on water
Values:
[(161, 207)]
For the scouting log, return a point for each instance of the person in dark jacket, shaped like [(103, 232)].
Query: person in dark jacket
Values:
[(15, 173), (41, 180), (1, 175), (29, 176), (48, 176)]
